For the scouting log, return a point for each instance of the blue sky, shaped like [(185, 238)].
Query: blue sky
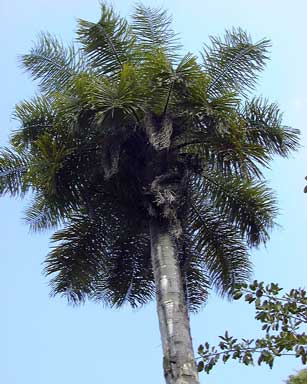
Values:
[(45, 340)]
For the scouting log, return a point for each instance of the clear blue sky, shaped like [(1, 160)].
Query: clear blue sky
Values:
[(43, 340)]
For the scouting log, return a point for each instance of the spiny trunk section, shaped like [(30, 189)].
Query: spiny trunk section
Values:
[(179, 363)]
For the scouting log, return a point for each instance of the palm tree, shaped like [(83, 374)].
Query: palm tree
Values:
[(149, 164)]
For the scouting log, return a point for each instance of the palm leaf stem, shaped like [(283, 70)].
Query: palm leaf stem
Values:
[(168, 97), (182, 145)]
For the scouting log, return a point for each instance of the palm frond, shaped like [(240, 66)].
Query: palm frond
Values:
[(223, 252), (122, 93), (195, 278), (100, 258), (108, 42), (220, 146), (264, 127), (156, 74), (152, 28), (186, 73), (249, 205), (13, 168), (52, 64), (49, 157), (129, 264), (46, 213), (77, 260), (36, 117), (234, 62)]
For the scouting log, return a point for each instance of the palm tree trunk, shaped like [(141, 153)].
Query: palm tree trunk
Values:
[(178, 360)]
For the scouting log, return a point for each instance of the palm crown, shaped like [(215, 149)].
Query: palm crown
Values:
[(126, 129)]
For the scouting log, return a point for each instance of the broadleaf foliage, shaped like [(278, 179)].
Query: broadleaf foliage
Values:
[(283, 320)]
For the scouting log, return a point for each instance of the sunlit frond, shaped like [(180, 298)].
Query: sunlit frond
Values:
[(108, 42), (233, 62), (52, 64), (152, 29)]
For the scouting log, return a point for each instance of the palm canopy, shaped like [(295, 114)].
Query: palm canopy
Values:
[(125, 130)]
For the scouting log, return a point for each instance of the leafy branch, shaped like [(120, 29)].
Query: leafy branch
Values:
[(282, 318)]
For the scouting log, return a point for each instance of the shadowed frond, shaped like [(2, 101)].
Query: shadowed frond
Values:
[(234, 62), (222, 251), (45, 213), (107, 43), (249, 205), (195, 277), (129, 278), (52, 64), (77, 259), (102, 259)]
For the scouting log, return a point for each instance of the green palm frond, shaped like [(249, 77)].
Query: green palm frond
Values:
[(156, 74), (107, 43), (221, 146), (244, 160), (35, 116), (152, 29), (186, 73), (164, 84), (264, 127), (249, 205), (13, 168), (49, 158), (233, 62), (223, 253), (122, 93), (52, 64)]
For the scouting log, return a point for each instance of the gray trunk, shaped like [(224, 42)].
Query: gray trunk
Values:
[(178, 361)]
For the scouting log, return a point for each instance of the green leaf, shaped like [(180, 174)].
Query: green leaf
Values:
[(237, 295)]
